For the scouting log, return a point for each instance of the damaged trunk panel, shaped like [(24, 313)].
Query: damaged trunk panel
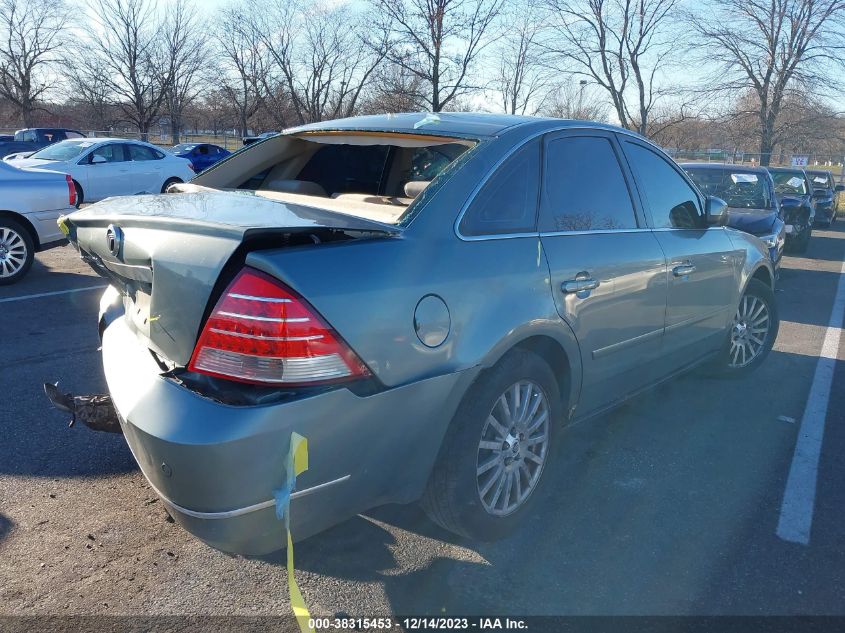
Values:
[(179, 251)]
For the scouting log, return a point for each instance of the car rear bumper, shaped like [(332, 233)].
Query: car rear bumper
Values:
[(216, 466)]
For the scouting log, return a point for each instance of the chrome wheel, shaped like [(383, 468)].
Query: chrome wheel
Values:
[(13, 252), (749, 331), (513, 447)]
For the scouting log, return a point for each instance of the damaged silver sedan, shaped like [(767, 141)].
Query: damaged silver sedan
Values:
[(426, 299)]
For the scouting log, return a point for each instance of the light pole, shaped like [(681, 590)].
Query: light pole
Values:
[(580, 113)]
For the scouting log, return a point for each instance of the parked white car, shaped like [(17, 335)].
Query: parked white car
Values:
[(105, 167), (31, 200)]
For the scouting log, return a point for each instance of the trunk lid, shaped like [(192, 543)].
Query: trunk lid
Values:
[(170, 254)]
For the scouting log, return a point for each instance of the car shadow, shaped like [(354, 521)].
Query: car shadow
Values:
[(635, 517), (6, 527)]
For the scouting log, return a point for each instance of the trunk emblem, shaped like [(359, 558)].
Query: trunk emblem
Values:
[(114, 239)]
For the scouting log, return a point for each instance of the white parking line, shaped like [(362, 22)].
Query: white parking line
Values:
[(796, 511), (51, 294)]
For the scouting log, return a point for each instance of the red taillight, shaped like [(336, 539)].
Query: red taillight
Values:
[(193, 169), (261, 332), (71, 191)]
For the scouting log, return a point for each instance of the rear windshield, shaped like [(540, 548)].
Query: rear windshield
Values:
[(741, 190), (373, 174), (790, 182)]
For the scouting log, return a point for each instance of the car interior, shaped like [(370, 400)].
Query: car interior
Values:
[(371, 175)]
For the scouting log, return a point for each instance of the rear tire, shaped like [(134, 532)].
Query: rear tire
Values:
[(491, 463), (168, 182), (753, 332), (17, 251), (80, 195)]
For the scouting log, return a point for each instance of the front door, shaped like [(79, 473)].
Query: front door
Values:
[(107, 173), (701, 259), (608, 271)]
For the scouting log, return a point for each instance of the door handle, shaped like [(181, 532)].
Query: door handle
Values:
[(682, 270), (581, 283)]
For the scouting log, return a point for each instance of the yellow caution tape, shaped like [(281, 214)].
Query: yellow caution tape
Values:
[(62, 222), (297, 463)]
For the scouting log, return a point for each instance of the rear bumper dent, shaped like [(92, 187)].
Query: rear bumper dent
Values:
[(215, 466)]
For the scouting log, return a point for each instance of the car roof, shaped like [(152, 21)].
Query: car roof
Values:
[(826, 172), (476, 125), (739, 169), (787, 169)]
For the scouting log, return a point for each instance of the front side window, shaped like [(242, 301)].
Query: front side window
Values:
[(508, 201), (584, 188), (673, 203), (112, 153)]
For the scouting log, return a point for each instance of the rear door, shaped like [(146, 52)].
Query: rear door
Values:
[(701, 259), (146, 169), (607, 269)]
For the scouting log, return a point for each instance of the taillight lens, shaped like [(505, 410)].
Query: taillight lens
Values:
[(262, 332), (71, 191)]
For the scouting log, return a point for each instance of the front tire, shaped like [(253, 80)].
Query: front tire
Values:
[(17, 251), (491, 463), (753, 332)]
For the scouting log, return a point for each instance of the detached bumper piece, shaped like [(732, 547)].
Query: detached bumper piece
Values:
[(96, 412)]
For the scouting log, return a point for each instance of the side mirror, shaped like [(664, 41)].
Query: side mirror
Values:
[(839, 188), (98, 160), (716, 211)]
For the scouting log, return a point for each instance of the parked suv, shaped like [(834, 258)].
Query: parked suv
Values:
[(428, 299), (795, 194), (32, 139), (750, 195), (826, 194)]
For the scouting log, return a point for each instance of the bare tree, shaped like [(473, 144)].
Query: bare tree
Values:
[(241, 66), (320, 62), (184, 49), (521, 81), (91, 93), (126, 41), (620, 45), (31, 34), (572, 100), (772, 48), (439, 42)]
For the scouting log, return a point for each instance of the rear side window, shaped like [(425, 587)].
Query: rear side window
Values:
[(584, 188), (508, 201), (673, 203), (139, 152), (347, 168)]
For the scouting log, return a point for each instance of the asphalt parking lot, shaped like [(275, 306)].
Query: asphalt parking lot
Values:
[(667, 506)]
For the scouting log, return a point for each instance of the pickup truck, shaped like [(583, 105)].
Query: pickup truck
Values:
[(33, 139)]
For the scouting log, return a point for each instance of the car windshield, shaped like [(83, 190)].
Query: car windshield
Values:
[(740, 189), (182, 148), (790, 182), (821, 179), (65, 150)]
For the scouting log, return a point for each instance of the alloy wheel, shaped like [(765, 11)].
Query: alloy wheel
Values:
[(749, 331), (513, 448), (13, 252)]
